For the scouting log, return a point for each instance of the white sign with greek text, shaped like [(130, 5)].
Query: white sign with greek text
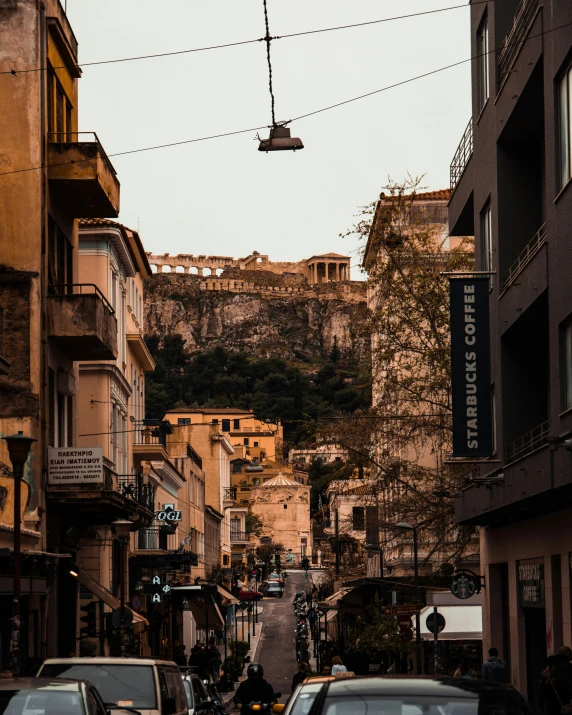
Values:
[(75, 465)]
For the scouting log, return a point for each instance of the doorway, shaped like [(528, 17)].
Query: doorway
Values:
[(535, 643)]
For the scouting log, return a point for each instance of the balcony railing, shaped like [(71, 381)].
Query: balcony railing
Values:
[(239, 536), (526, 255), (531, 441), (132, 486), (74, 138), (152, 539), (79, 289), (513, 42), (229, 494), (150, 432), (462, 156)]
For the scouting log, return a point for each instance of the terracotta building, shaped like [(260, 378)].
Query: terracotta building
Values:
[(51, 176)]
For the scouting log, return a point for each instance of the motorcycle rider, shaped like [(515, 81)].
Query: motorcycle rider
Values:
[(254, 689)]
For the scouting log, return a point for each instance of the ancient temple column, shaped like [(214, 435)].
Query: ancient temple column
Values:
[(337, 272), (160, 268)]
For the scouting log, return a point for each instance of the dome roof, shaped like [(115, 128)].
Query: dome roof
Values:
[(281, 481)]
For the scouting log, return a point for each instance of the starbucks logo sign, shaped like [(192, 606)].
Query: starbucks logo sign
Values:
[(465, 584)]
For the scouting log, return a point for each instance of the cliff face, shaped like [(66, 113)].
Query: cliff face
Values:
[(296, 326)]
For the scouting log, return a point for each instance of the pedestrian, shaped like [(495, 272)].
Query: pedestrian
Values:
[(180, 657), (464, 670), (494, 668), (338, 666), (300, 676), (326, 670), (555, 686)]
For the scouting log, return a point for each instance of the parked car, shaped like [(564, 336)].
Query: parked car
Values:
[(147, 685), (45, 696), (277, 577), (199, 701), (249, 594), (272, 588)]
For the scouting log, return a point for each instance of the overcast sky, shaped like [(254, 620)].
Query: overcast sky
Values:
[(223, 197)]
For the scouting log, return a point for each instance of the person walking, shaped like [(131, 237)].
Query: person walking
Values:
[(338, 666), (494, 668), (555, 686), (300, 676)]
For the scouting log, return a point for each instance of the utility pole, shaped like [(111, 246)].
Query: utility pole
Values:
[(337, 535)]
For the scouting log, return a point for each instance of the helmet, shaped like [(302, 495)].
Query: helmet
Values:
[(255, 671)]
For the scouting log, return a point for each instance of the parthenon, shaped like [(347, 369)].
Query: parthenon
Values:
[(325, 268)]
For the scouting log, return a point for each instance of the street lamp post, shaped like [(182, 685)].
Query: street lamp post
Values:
[(18, 450), (404, 526), (122, 531)]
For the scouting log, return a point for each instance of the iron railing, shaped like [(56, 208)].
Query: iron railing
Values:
[(150, 432), (525, 256), (60, 289), (514, 40), (68, 138), (531, 441), (152, 539), (239, 536), (229, 494), (132, 486), (462, 156)]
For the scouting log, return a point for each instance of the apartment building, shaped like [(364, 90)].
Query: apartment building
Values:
[(51, 176), (511, 188)]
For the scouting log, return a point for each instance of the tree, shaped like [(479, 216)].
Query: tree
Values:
[(406, 436), (253, 524)]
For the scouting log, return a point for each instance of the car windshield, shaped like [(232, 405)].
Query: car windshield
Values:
[(40, 702), (499, 703), (304, 701), (129, 685), (189, 692)]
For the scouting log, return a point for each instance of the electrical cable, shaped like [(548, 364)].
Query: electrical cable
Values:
[(252, 41), (268, 39), (301, 116)]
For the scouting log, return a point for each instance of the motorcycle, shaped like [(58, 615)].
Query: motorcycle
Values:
[(259, 707)]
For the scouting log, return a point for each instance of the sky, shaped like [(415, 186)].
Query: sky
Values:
[(223, 197)]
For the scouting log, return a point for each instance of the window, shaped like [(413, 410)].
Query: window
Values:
[(236, 424), (483, 64), (565, 128), (285, 506), (60, 260), (51, 407), (1, 329), (226, 425), (215, 422), (486, 240), (256, 444), (358, 518), (566, 342), (60, 110), (246, 441), (184, 420)]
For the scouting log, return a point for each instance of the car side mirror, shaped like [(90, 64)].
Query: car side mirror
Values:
[(278, 708), (169, 706)]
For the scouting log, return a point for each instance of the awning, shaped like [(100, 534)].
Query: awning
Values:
[(461, 623), (205, 611), (226, 596), (107, 597)]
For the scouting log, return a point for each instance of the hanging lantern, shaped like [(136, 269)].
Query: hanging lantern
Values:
[(280, 140)]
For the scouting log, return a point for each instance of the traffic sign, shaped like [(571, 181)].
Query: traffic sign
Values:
[(406, 610), (430, 622)]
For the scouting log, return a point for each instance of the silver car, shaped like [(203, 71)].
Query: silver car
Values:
[(43, 696)]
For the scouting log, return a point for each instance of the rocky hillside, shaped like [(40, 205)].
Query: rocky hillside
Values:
[(299, 328)]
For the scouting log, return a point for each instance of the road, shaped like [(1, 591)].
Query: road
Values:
[(278, 651)]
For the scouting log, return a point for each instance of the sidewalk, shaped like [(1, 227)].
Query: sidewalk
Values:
[(253, 653)]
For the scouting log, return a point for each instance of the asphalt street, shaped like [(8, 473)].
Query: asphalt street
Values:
[(278, 651)]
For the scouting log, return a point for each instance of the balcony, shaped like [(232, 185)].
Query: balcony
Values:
[(462, 156), (239, 537), (150, 440), (525, 257), (120, 496), (81, 176), (154, 538), (515, 39), (229, 497), (528, 443), (81, 322)]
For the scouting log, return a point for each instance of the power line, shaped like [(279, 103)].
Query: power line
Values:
[(252, 41), (301, 116)]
